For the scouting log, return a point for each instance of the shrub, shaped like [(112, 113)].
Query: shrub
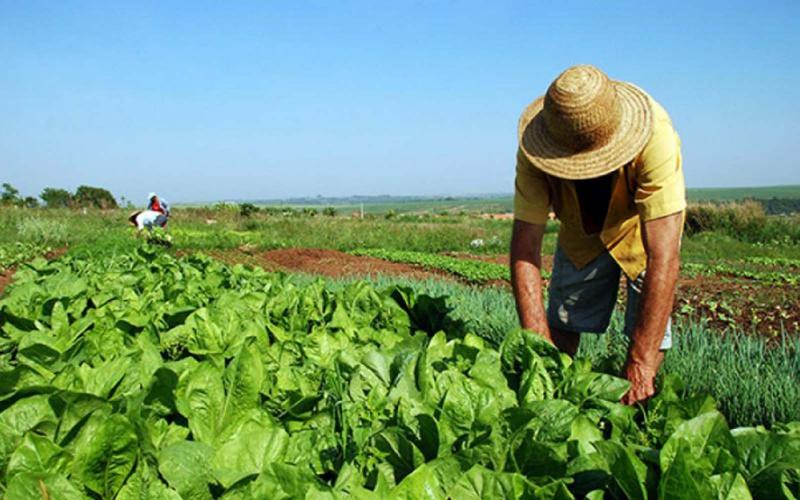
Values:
[(40, 230), (94, 197), (252, 225), (247, 209), (745, 221), (329, 211)]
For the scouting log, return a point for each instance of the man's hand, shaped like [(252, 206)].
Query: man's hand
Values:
[(526, 277), (642, 379), (662, 239)]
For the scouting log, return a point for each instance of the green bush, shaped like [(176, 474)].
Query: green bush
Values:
[(745, 221), (247, 209), (39, 230)]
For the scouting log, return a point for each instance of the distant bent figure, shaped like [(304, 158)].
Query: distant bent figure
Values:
[(147, 219)]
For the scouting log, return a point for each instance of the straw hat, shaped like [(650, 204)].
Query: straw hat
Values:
[(586, 125)]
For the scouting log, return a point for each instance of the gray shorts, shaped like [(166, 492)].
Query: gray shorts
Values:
[(582, 300)]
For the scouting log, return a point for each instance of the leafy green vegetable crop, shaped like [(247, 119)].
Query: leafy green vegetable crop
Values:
[(12, 254), (470, 269), (145, 376)]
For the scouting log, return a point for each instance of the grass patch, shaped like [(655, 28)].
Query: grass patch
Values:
[(476, 271)]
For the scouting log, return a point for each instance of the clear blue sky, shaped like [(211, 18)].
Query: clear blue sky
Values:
[(219, 100)]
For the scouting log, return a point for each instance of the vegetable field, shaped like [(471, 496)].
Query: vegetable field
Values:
[(141, 375)]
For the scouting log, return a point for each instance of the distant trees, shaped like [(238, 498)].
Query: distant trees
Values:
[(56, 197), (94, 197), (10, 195), (247, 209), (84, 197), (30, 202)]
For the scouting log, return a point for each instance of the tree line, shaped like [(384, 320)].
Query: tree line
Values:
[(83, 197)]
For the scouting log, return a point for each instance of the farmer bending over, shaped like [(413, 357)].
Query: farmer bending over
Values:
[(147, 219), (604, 155)]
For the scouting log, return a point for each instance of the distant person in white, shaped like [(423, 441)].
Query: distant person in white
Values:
[(147, 219)]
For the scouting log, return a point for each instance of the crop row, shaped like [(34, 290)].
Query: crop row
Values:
[(13, 254), (774, 261), (146, 376), (740, 270), (473, 270)]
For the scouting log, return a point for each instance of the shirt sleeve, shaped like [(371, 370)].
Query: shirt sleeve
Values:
[(531, 192), (660, 189)]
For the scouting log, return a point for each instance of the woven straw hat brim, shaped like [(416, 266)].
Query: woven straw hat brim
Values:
[(628, 140)]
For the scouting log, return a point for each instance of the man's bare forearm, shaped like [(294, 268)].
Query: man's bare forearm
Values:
[(655, 307), (662, 242), (526, 277)]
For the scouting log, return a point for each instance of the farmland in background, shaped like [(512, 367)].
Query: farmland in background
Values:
[(777, 196)]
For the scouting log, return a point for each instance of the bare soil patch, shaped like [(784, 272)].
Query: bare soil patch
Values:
[(766, 308), (5, 279), (7, 276), (331, 263)]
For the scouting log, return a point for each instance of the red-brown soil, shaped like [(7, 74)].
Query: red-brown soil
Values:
[(748, 305), (8, 276), (325, 262), (5, 279)]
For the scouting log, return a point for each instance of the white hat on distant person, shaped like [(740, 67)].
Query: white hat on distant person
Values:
[(151, 196)]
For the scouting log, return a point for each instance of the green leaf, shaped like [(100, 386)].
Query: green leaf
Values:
[(37, 454), (709, 442), (771, 461), (42, 485), (284, 482), (72, 410), (430, 481), (186, 467), (399, 452), (246, 447), (200, 396), (107, 455), (27, 413), (732, 486), (682, 481), (627, 471), (144, 484), (479, 483)]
